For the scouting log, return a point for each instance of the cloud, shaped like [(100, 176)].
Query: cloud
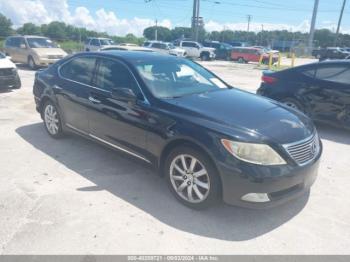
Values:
[(46, 11), (256, 27)]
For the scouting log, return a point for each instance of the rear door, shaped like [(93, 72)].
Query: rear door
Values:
[(191, 49), (114, 120), (72, 91), (332, 93)]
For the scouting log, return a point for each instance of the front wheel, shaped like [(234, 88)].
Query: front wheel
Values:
[(31, 63), (52, 120), (192, 178), (204, 57)]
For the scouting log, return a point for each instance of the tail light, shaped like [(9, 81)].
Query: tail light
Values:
[(268, 79)]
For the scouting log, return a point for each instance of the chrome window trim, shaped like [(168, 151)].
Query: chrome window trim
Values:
[(108, 143), (146, 101)]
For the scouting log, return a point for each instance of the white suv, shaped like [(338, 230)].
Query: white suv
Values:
[(197, 50), (96, 43), (165, 48)]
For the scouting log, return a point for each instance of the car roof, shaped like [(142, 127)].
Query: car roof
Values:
[(132, 56)]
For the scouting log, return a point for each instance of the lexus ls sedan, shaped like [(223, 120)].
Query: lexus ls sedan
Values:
[(209, 140)]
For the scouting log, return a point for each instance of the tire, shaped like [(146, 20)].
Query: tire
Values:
[(293, 103), (241, 60), (31, 63), (204, 57), (204, 189), (52, 120)]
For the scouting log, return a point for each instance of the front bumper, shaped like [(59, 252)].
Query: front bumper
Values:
[(10, 82), (46, 61), (279, 183)]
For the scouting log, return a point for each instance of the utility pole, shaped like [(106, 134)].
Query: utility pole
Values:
[(194, 19), (156, 31), (339, 23), (197, 21), (261, 35), (249, 19), (312, 28)]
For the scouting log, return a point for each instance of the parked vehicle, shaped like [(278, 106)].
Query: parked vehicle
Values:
[(126, 48), (197, 50), (267, 49), (330, 53), (250, 54), (209, 140), (97, 43), (166, 48), (9, 78), (222, 50), (320, 90), (33, 50)]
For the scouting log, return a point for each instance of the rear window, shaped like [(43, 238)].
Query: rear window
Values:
[(334, 73)]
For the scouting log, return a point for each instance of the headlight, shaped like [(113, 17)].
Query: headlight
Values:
[(260, 154)]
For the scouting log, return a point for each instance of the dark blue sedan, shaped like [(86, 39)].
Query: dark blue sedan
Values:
[(320, 90), (209, 140)]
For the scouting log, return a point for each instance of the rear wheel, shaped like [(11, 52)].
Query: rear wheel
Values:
[(192, 178), (241, 60), (293, 103), (52, 120)]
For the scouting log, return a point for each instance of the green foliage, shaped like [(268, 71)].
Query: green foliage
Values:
[(5, 26), (163, 33), (71, 46), (29, 29)]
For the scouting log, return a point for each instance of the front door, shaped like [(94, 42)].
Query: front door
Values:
[(114, 120)]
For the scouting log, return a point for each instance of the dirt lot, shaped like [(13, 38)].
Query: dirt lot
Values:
[(73, 196)]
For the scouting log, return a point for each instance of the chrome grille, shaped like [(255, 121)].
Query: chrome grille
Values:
[(6, 71), (304, 151)]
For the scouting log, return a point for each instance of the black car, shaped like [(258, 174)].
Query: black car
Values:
[(222, 50), (9, 78), (330, 53), (320, 90), (209, 140)]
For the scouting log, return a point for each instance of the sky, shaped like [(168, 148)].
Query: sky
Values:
[(119, 17)]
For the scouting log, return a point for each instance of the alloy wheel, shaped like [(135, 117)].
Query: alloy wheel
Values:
[(189, 178), (51, 119), (291, 104)]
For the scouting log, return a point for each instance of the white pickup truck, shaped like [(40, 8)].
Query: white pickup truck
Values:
[(197, 50)]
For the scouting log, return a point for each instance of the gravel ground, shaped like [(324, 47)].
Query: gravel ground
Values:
[(73, 196)]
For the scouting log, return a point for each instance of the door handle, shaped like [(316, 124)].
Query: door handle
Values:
[(94, 100)]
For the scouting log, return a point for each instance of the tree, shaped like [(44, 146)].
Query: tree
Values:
[(56, 30), (180, 33), (29, 29), (163, 33), (5, 26)]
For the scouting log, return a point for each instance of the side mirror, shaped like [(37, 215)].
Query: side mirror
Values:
[(23, 46), (125, 94)]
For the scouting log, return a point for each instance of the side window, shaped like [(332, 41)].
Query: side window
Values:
[(163, 46), (156, 45), (334, 73), (186, 44), (112, 74), (8, 42), (95, 42), (79, 69), (16, 42)]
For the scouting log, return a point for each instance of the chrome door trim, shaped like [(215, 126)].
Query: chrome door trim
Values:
[(108, 143)]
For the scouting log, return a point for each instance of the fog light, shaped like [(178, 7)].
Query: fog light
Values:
[(256, 197)]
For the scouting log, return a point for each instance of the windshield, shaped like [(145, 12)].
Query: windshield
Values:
[(106, 42), (176, 78), (40, 42), (2, 55), (170, 46)]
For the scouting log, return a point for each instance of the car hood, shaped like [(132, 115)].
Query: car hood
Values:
[(251, 114), (49, 51), (6, 63)]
